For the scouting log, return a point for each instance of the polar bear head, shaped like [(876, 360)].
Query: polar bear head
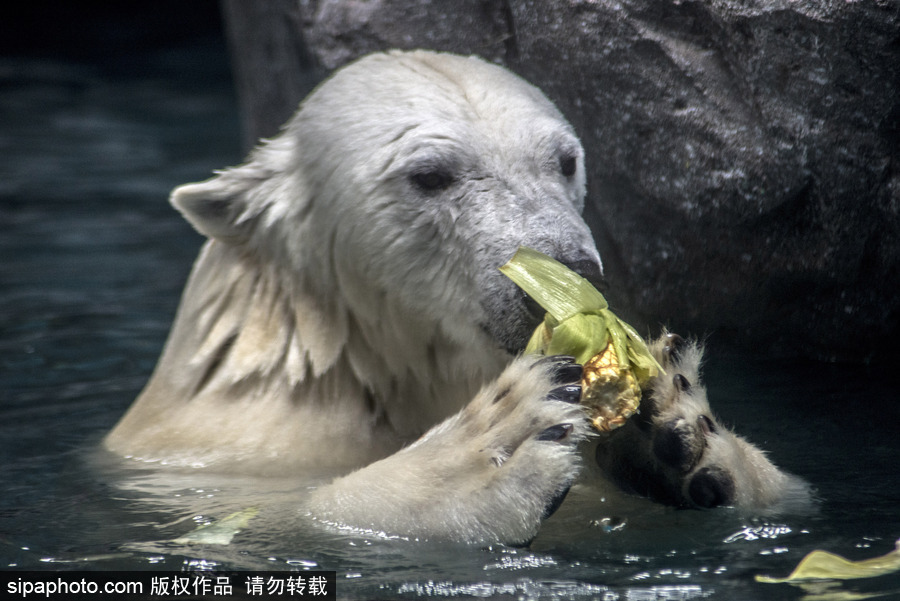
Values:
[(413, 177)]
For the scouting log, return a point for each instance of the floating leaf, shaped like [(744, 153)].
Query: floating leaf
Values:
[(822, 565), (220, 532)]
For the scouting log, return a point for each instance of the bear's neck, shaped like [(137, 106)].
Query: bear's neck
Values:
[(249, 345)]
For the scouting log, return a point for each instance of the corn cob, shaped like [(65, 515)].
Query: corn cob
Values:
[(579, 323)]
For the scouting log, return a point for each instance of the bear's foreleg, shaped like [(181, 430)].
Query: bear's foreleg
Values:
[(490, 473), (677, 452)]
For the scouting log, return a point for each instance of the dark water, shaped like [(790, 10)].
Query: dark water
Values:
[(93, 261)]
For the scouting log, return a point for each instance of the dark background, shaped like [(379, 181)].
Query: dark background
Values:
[(114, 34)]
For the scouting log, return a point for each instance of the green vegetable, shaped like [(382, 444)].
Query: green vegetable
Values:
[(579, 323)]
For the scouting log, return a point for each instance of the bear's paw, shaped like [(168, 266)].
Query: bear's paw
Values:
[(491, 473)]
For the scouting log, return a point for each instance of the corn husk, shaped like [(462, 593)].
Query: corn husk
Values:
[(579, 323)]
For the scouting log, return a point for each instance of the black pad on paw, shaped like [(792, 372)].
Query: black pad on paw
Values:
[(673, 446), (711, 487)]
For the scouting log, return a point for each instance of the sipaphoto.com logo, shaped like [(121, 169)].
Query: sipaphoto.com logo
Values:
[(72, 585), (156, 586)]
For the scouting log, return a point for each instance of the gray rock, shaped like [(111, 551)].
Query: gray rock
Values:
[(744, 155)]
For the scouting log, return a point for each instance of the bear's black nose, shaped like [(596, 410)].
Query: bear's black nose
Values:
[(675, 444), (711, 487)]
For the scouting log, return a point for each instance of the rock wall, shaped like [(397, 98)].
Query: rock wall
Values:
[(743, 155)]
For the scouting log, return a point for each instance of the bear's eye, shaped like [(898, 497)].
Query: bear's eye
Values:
[(432, 179), (568, 164)]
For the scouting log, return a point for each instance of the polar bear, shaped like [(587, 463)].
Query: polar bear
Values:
[(346, 316)]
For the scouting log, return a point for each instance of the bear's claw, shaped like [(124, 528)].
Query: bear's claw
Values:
[(554, 433), (571, 393), (673, 345)]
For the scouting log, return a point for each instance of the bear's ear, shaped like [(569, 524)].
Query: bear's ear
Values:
[(214, 207), (225, 206)]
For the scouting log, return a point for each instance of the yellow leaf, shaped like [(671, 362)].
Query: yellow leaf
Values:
[(220, 532), (822, 565)]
